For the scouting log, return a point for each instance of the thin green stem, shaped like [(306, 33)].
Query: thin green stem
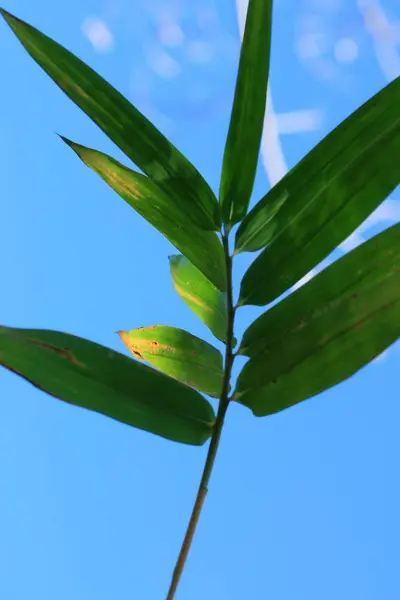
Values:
[(216, 436)]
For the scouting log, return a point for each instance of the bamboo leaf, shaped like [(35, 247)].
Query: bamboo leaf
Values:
[(178, 354), (123, 124), (245, 129), (200, 295), (320, 202), (326, 331), (85, 374), (203, 248)]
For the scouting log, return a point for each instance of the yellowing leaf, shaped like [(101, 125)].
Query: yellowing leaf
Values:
[(203, 248), (178, 354), (200, 295)]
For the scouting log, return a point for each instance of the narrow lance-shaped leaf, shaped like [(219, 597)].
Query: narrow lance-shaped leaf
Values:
[(85, 374), (245, 129), (135, 135), (323, 199), (200, 295), (178, 354), (326, 331), (203, 248)]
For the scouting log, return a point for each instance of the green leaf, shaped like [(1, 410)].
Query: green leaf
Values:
[(326, 331), (200, 295), (85, 374), (178, 354), (323, 199), (246, 125), (203, 248), (123, 124)]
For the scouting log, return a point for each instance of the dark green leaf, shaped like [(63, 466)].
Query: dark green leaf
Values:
[(123, 124), (323, 199), (203, 248), (88, 375), (178, 354), (326, 331), (201, 296), (245, 129)]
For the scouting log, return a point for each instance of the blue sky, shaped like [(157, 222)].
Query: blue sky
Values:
[(302, 505)]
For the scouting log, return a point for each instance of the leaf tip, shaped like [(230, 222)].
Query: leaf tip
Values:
[(6, 15), (124, 335), (11, 20), (66, 141), (79, 150)]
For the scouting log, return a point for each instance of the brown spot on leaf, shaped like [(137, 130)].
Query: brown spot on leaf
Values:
[(136, 353), (62, 352), (124, 335)]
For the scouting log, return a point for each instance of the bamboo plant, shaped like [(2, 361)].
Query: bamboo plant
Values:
[(312, 339)]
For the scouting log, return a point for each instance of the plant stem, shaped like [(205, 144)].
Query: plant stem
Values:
[(216, 436)]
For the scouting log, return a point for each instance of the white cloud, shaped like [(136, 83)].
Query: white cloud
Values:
[(354, 240), (384, 36), (241, 8), (299, 121), (381, 357), (164, 65), (98, 34), (272, 156), (386, 214), (346, 50), (322, 265), (304, 279)]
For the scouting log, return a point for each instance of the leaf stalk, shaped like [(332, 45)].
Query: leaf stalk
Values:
[(216, 436)]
